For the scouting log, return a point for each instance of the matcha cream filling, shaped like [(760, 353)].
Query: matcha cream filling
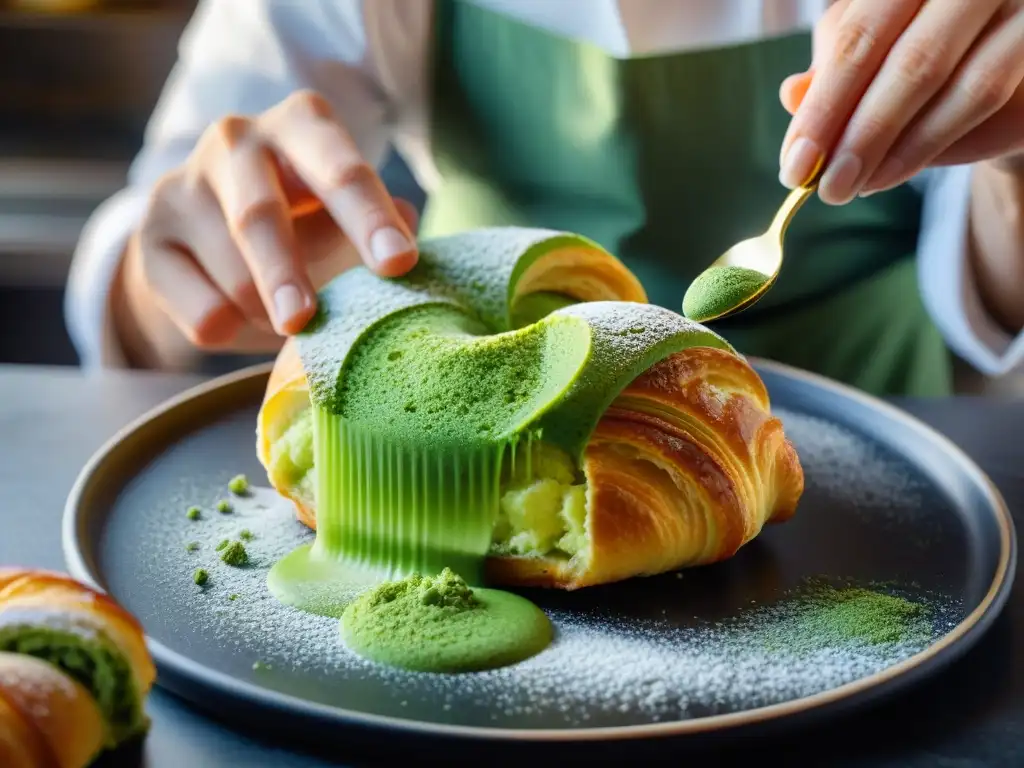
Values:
[(543, 503)]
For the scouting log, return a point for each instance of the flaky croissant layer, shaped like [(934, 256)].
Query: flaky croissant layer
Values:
[(684, 468)]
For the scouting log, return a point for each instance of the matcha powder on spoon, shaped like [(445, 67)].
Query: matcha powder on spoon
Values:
[(718, 289)]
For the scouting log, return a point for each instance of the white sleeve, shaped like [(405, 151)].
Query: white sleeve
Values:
[(235, 57), (947, 281)]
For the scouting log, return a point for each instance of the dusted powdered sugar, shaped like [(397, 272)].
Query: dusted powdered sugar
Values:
[(840, 464), (648, 670)]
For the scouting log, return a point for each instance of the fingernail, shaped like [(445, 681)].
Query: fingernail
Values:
[(388, 242), (288, 302), (799, 162), (839, 184)]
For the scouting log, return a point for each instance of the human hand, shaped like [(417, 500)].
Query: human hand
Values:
[(896, 86), (230, 241)]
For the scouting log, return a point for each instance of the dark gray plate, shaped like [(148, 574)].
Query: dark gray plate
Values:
[(888, 502)]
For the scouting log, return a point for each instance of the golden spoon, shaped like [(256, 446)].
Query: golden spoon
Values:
[(761, 254)]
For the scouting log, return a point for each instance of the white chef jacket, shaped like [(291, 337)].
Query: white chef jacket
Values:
[(369, 58)]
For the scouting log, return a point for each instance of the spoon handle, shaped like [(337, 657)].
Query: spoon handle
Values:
[(793, 201)]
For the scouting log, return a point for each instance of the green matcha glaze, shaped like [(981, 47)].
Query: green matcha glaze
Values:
[(440, 625), (475, 271), (718, 289), (450, 383), (84, 653)]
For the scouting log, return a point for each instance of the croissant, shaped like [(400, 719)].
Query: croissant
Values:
[(74, 671), (634, 442)]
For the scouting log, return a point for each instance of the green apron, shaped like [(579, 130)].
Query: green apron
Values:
[(666, 161)]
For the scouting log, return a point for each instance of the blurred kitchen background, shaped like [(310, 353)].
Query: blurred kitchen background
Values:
[(78, 80)]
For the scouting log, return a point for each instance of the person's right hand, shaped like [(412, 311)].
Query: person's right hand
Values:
[(228, 239)]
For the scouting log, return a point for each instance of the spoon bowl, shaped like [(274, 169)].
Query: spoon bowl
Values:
[(762, 254)]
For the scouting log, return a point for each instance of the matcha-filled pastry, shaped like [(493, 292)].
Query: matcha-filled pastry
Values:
[(73, 663), (516, 397)]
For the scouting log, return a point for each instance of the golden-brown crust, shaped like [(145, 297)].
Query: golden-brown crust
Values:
[(686, 467), (55, 707), (21, 743)]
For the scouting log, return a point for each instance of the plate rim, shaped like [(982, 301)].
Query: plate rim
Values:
[(951, 646)]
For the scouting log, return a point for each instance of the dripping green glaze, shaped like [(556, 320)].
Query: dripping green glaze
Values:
[(440, 624), (718, 289), (385, 512)]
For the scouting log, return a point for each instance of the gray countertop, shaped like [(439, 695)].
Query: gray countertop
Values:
[(52, 420)]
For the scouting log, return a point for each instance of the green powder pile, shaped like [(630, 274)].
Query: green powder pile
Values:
[(446, 592), (828, 617), (718, 289), (439, 624)]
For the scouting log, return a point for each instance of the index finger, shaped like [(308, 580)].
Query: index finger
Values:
[(847, 58), (325, 156)]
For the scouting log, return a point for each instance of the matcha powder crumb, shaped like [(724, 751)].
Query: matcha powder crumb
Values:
[(234, 553), (239, 485)]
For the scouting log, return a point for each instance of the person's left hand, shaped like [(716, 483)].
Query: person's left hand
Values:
[(896, 86)]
